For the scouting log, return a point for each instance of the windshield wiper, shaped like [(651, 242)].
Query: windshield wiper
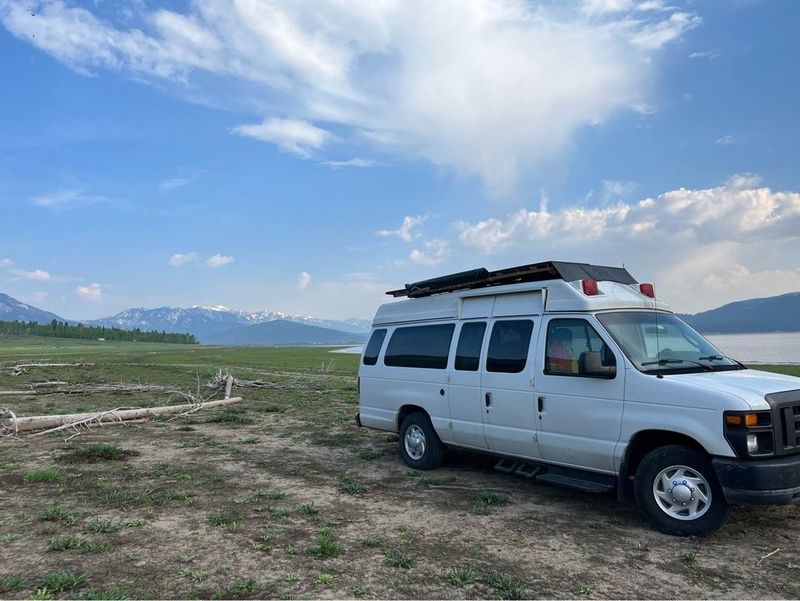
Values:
[(739, 364), (673, 360)]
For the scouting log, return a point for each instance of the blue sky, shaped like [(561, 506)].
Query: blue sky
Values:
[(307, 156)]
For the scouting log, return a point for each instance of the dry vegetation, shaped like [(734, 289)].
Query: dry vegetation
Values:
[(282, 496)]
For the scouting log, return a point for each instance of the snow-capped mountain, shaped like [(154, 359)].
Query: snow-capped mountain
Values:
[(205, 320), (13, 310)]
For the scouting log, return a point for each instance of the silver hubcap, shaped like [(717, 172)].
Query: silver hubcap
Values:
[(415, 442), (682, 492)]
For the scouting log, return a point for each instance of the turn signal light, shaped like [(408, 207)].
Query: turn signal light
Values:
[(750, 420), (648, 290), (590, 287)]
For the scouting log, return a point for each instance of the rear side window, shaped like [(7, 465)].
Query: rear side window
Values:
[(420, 346), (508, 346), (470, 340), (374, 347)]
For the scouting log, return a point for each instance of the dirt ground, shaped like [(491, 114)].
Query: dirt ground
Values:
[(282, 496)]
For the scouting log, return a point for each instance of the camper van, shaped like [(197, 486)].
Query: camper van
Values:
[(578, 375)]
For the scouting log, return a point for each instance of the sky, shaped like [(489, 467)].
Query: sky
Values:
[(308, 155)]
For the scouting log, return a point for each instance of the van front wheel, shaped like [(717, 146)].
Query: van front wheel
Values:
[(677, 490), (419, 444)]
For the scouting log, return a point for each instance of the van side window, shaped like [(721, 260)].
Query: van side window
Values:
[(574, 348), (470, 340), (508, 346), (374, 347), (420, 346)]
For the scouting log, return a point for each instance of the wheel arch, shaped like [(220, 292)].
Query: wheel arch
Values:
[(640, 445), (407, 410)]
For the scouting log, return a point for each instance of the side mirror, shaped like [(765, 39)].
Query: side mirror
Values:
[(591, 365)]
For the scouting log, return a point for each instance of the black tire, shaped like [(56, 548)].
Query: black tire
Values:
[(432, 449), (713, 515)]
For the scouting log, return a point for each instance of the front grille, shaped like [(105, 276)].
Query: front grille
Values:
[(791, 428), (786, 417)]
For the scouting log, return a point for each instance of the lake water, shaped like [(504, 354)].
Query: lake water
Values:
[(760, 348), (747, 348)]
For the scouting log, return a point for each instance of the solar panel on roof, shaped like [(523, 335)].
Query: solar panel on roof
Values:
[(535, 272)]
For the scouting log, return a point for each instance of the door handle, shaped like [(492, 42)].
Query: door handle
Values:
[(488, 399), (540, 404)]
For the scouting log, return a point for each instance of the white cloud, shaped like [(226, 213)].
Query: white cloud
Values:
[(218, 261), (38, 275), (709, 54), (6, 262), (725, 140), (356, 162), (295, 136), (303, 280), (406, 229), (66, 199), (410, 77), (737, 239), (432, 253), (181, 259), (173, 183), (193, 258), (92, 292)]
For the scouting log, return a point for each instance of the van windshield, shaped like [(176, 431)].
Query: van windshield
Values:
[(662, 343)]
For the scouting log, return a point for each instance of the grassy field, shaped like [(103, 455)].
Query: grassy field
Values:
[(282, 496)]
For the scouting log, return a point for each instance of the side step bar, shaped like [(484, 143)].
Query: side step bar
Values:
[(571, 478)]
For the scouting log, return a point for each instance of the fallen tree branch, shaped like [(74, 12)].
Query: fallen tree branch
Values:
[(45, 424), (18, 370), (226, 382), (121, 388)]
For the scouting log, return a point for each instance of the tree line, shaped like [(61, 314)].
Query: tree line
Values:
[(62, 329)]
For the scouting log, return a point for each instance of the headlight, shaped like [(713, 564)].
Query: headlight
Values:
[(750, 433)]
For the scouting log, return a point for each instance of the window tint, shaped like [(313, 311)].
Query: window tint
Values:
[(508, 346), (574, 348), (374, 347), (420, 346), (470, 340)]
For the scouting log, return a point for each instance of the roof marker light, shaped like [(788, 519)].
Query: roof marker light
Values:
[(648, 290), (590, 287)]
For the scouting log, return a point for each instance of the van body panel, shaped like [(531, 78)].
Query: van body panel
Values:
[(581, 419), (478, 306), (510, 409)]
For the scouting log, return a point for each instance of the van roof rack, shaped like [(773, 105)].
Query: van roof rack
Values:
[(535, 272)]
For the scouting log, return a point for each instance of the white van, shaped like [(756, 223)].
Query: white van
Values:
[(578, 375)]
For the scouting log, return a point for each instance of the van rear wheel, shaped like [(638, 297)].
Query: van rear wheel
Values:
[(677, 491), (419, 444)]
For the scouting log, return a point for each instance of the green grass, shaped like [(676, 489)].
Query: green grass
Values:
[(52, 474), (62, 581), (99, 451), (325, 545), (398, 559), (247, 587), (308, 509), (58, 513), (461, 576), (12, 582), (64, 543), (225, 517), (507, 587), (104, 527), (485, 500), (352, 485)]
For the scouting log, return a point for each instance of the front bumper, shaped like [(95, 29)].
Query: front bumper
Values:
[(773, 481)]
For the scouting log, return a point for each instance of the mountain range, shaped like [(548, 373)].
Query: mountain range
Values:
[(220, 325), (212, 324), (772, 314)]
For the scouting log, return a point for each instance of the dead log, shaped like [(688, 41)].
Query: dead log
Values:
[(53, 423), (18, 370)]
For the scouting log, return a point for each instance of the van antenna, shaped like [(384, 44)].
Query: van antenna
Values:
[(660, 374)]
